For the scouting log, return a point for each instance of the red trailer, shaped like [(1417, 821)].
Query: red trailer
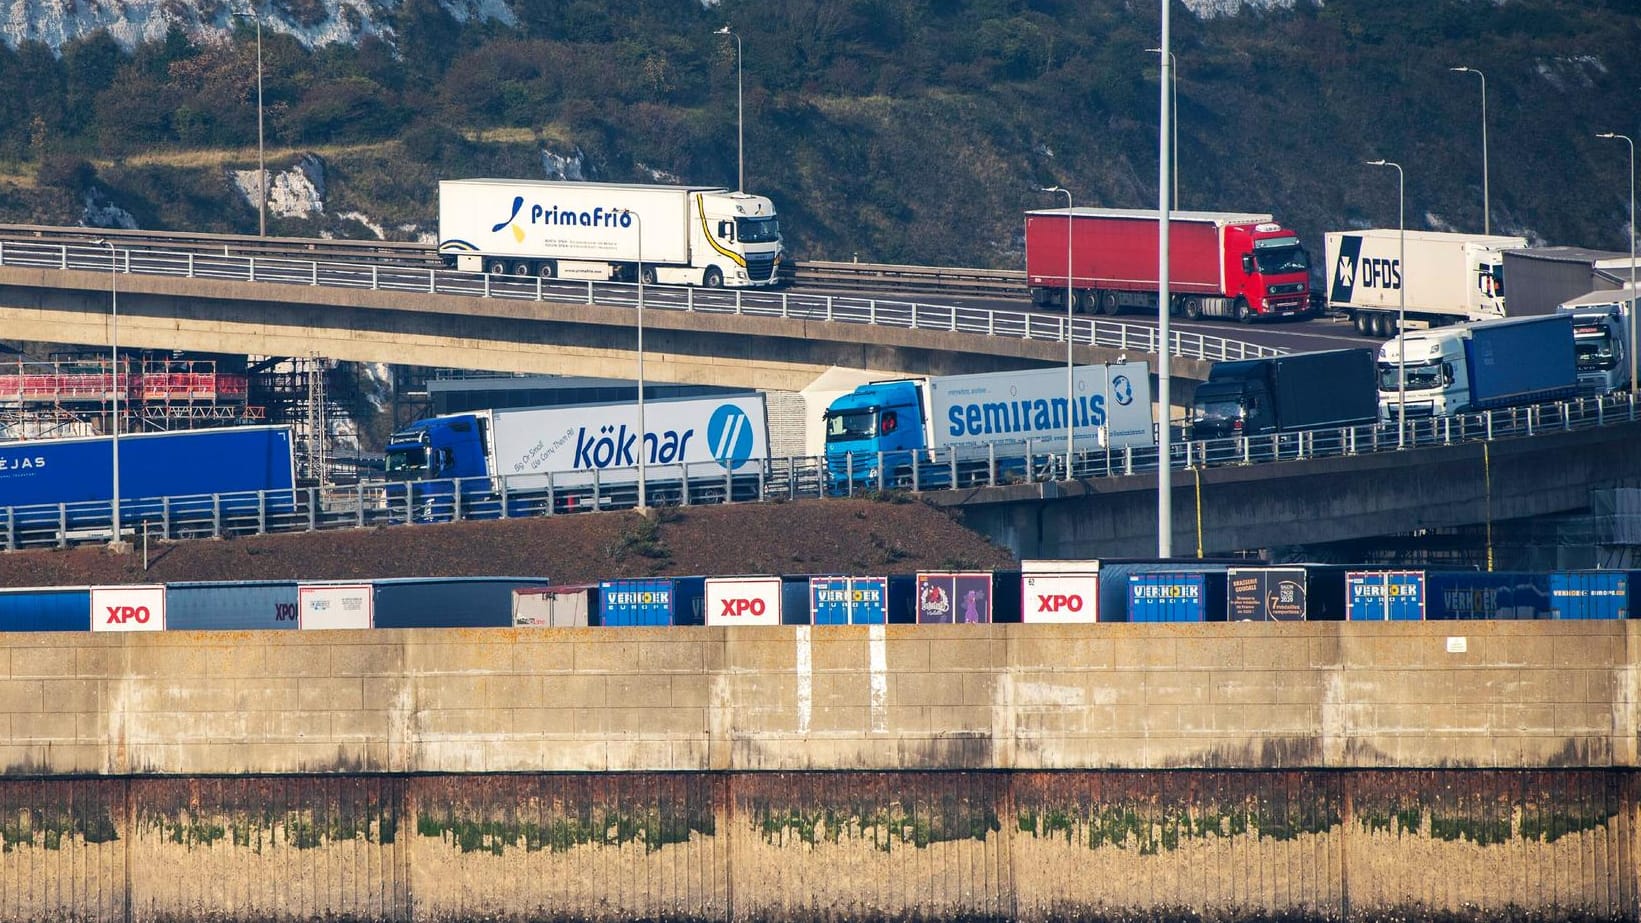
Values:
[(1222, 264)]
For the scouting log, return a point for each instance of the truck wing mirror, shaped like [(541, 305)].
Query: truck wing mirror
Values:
[(726, 230), (1248, 262)]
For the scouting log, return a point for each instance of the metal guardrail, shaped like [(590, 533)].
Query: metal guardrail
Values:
[(371, 503), (1027, 325)]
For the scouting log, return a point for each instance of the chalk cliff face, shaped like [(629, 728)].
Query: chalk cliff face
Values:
[(131, 22), (322, 22)]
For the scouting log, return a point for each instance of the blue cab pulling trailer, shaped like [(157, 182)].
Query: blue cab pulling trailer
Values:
[(184, 474)]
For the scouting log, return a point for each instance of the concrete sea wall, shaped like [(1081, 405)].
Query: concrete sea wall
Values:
[(1470, 771)]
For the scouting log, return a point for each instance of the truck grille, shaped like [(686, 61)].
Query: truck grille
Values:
[(760, 268), (1291, 288)]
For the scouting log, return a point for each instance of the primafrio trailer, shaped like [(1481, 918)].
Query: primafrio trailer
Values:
[(1242, 266), (1447, 278), (673, 235)]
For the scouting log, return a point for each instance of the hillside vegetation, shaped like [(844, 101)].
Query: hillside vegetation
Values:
[(886, 130)]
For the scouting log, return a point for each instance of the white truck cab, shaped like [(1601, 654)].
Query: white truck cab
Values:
[(1436, 379)]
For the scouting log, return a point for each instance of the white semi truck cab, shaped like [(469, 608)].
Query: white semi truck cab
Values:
[(1601, 340), (1436, 382)]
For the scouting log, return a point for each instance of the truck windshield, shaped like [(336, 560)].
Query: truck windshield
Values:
[(1419, 377), (1282, 260), (757, 230), (406, 464), (1595, 353), (1216, 412), (851, 425)]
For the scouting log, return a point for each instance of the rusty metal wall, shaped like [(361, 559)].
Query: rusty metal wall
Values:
[(811, 846)]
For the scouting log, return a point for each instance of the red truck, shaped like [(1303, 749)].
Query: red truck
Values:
[(1222, 264)]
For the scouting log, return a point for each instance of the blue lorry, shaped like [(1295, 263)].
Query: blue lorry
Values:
[(164, 477), (970, 429), (1481, 366)]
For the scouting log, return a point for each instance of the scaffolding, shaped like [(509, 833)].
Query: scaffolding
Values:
[(73, 395)]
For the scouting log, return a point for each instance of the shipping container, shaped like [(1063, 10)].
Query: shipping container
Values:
[(1266, 594), (951, 597), (1592, 594), (1492, 595), (139, 607), (51, 608), (631, 603), (569, 606), (1181, 596), (231, 605), (334, 605), (1115, 574), (1386, 595), (849, 600), (743, 601), (1059, 591), (447, 602)]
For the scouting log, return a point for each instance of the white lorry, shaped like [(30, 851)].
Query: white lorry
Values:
[(1601, 339), (1447, 279), (675, 235)]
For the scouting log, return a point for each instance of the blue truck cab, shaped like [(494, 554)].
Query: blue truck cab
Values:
[(877, 426), (439, 448)]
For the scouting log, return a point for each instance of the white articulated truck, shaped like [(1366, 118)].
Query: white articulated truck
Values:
[(1447, 279), (674, 235)]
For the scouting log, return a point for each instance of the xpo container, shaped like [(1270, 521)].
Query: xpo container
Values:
[(128, 608), (1242, 266), (679, 235), (1377, 596), (849, 600), (1594, 594), (1060, 591), (947, 597), (961, 425), (56, 608), (1448, 278), (743, 600), (334, 605), (231, 606)]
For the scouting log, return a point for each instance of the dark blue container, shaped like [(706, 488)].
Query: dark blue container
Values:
[(61, 608), (447, 602), (662, 601), (1114, 576), (849, 600), (1477, 595), (1367, 591), (1170, 597), (222, 605), (1593, 594)]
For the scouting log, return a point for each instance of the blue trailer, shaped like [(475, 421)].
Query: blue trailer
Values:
[(447, 602), (1486, 595), (185, 474), (51, 608), (1593, 594), (1521, 360), (230, 605), (1385, 595), (660, 601)]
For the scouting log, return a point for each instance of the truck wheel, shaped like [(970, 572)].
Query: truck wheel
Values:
[(521, 268), (1243, 315), (1085, 302), (714, 278), (1040, 296), (1360, 322), (1108, 304), (648, 275), (496, 268), (1193, 308), (1381, 325), (547, 269)]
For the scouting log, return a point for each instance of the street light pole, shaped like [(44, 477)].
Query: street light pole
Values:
[(114, 351), (740, 114), (1071, 369), (1486, 217), (643, 492), (1401, 310), (1174, 92), (1630, 319), (1165, 432)]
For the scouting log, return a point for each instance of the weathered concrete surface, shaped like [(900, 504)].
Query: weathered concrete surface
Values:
[(1525, 695), (1229, 509), (559, 337), (1462, 845)]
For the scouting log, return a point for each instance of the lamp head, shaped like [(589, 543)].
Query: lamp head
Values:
[(1460, 70), (724, 30), (1053, 190), (1376, 163), (1607, 134)]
